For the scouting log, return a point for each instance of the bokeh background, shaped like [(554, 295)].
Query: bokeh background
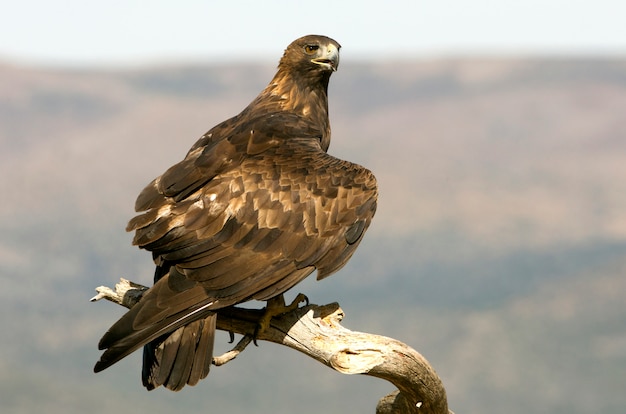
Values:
[(497, 133)]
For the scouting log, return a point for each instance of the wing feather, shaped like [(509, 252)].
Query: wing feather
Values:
[(236, 229)]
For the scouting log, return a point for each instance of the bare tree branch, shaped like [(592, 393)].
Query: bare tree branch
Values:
[(316, 331)]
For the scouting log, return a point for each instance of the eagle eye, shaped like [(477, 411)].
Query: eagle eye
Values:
[(310, 49)]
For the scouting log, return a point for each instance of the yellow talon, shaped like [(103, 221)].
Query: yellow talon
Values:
[(275, 307)]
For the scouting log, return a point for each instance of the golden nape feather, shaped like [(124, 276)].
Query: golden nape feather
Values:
[(256, 206)]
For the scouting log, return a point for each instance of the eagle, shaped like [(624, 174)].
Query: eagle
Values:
[(256, 206)]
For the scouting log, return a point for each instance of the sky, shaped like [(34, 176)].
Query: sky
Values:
[(131, 32)]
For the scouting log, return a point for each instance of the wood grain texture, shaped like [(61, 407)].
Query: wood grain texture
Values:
[(316, 331)]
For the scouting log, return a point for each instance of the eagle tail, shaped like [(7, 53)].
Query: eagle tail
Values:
[(177, 339), (180, 358), (170, 358)]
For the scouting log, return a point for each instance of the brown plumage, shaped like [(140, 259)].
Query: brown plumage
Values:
[(255, 207)]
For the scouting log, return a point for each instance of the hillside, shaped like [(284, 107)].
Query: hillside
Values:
[(500, 236)]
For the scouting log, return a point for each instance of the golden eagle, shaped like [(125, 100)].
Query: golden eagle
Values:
[(255, 207)]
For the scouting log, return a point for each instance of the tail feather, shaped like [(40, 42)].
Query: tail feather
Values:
[(175, 324), (204, 351), (180, 358), (168, 305)]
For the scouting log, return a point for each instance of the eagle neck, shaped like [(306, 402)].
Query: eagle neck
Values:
[(305, 96)]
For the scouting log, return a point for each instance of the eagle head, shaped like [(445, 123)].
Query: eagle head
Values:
[(313, 53)]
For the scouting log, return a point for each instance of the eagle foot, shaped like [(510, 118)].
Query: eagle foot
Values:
[(275, 307), (233, 353)]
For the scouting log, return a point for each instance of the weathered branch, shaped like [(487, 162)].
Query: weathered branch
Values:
[(316, 331)]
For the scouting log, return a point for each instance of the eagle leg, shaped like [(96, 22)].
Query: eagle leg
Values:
[(275, 307)]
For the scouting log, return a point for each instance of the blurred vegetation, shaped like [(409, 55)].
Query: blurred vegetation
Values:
[(498, 251)]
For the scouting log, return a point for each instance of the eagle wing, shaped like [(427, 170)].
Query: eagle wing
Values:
[(243, 217), (252, 210)]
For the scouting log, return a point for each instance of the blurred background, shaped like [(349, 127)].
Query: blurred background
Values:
[(497, 133)]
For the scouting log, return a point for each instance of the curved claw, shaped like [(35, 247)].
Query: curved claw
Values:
[(275, 307), (255, 334), (304, 298)]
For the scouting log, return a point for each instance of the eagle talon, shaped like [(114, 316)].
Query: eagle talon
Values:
[(231, 336), (255, 334), (275, 307), (304, 298)]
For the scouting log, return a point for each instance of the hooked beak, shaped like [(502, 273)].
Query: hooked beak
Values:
[(329, 59)]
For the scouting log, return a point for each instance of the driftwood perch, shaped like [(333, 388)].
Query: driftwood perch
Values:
[(316, 331)]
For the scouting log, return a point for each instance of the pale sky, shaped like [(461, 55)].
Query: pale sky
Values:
[(131, 32)]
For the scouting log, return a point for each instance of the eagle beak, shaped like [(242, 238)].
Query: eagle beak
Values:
[(329, 58)]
